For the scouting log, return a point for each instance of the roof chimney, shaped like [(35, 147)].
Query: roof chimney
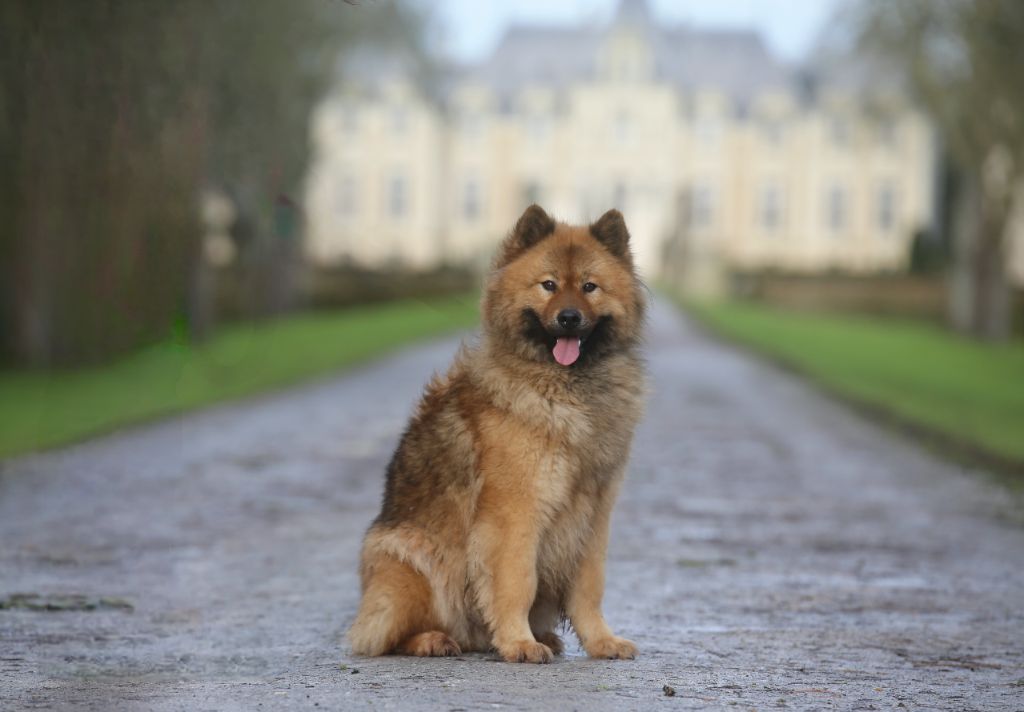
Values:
[(633, 12)]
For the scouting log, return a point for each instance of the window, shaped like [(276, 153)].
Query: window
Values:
[(349, 118), (623, 63), (886, 207), (589, 205), (619, 196), (472, 206), (624, 67), (770, 210), (399, 119), (532, 192), (537, 127), (702, 207), (772, 132), (622, 127), (888, 133), (472, 125), (347, 196), (835, 209), (839, 131), (708, 131), (398, 198)]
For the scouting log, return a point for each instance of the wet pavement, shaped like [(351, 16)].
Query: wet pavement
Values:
[(770, 549)]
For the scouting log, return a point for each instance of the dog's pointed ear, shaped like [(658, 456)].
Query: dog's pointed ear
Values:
[(610, 230), (532, 227)]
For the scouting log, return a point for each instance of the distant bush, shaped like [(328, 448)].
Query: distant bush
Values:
[(922, 296), (347, 286)]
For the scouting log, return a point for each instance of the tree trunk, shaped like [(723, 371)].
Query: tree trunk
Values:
[(991, 320), (979, 287)]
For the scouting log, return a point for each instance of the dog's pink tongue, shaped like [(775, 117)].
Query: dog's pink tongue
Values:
[(567, 350)]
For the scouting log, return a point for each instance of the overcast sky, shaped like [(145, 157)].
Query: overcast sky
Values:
[(471, 28)]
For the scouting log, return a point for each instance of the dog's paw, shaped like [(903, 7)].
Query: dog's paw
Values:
[(611, 648), (433, 644), (525, 651), (552, 641)]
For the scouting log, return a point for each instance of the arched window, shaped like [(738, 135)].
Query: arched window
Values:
[(702, 206), (886, 207), (398, 196), (472, 203), (771, 207), (836, 208), (347, 197)]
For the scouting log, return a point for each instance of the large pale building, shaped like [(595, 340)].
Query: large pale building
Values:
[(719, 155)]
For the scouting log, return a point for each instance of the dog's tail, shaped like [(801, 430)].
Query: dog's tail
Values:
[(396, 605)]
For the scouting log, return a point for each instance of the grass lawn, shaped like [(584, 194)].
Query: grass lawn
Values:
[(970, 392), (43, 409)]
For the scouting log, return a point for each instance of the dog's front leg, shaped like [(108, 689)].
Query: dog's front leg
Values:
[(504, 556), (584, 601)]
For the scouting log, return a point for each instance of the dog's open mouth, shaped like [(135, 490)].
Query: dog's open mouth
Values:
[(567, 349)]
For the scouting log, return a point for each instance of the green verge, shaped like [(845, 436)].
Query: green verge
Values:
[(926, 377), (45, 409)]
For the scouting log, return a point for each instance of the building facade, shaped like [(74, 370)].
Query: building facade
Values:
[(720, 156)]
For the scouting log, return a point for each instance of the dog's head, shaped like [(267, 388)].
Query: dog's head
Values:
[(562, 294)]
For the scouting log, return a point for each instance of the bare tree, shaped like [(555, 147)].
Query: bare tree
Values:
[(114, 116), (963, 59)]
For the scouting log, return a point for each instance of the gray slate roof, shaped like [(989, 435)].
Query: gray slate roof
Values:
[(735, 62), (540, 55)]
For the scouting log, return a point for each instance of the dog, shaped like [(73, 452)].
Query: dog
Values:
[(496, 509)]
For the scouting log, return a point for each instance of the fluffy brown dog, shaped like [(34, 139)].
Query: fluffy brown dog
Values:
[(495, 517)]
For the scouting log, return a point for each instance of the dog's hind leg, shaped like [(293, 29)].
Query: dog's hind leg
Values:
[(396, 614), (544, 618)]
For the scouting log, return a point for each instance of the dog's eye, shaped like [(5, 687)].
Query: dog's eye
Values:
[(549, 285), (589, 287)]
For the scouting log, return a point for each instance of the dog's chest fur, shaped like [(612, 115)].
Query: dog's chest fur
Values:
[(573, 436)]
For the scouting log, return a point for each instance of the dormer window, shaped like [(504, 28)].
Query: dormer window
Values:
[(627, 57), (622, 127)]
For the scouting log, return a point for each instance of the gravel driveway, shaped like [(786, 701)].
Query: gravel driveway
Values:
[(771, 549)]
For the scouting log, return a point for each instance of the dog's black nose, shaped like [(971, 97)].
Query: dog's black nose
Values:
[(569, 318)]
